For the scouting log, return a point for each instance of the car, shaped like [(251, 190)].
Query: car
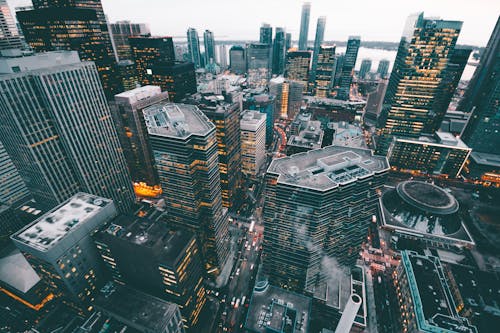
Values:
[(232, 301), (237, 272), (251, 267)]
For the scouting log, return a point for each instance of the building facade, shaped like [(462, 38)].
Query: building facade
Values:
[(349, 61), (366, 66), (279, 51), (288, 96), (194, 47), (13, 191), (253, 142), (237, 59), (297, 66), (258, 56), (383, 68), (318, 41), (325, 71), (209, 43), (9, 35), (121, 31), (148, 51), (304, 25)]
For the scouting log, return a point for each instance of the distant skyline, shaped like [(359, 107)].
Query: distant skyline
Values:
[(235, 19)]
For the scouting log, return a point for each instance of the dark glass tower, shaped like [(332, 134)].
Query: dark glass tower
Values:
[(383, 68), (279, 51), (194, 47), (121, 31), (304, 25), (351, 54), (318, 40), (482, 98), (366, 66), (266, 34), (147, 51), (237, 59), (413, 104), (209, 43)]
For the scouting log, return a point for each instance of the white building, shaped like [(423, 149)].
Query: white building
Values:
[(253, 142)]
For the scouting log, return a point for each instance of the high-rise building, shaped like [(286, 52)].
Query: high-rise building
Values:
[(258, 57), (304, 25), (178, 78), (222, 56), (253, 142), (279, 51), (194, 47), (132, 131), (325, 71), (148, 51), (121, 31), (263, 103), (288, 96), (266, 34), (209, 43), (318, 40), (349, 61), (9, 35), (59, 247), (58, 152), (184, 144), (374, 104), (13, 191), (127, 76), (237, 59), (288, 41), (77, 25), (383, 68), (412, 104), (482, 98), (226, 117), (319, 206), (366, 66), (297, 66), (339, 62), (151, 257)]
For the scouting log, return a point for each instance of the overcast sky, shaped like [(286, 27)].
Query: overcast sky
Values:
[(381, 20)]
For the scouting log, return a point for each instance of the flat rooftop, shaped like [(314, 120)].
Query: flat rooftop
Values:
[(328, 167), (31, 62), (176, 120), (50, 228), (137, 307), (486, 159), (347, 135), (278, 310), (251, 120), (440, 139), (433, 302), (139, 93), (310, 136)]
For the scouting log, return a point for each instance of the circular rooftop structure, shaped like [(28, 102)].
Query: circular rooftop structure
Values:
[(427, 197)]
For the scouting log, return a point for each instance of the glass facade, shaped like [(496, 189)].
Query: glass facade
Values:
[(325, 70), (348, 63)]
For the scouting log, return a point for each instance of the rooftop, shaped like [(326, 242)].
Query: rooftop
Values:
[(441, 139), (428, 197), (251, 120), (50, 228), (134, 306), (486, 159), (277, 310), (139, 94), (328, 167), (311, 136), (347, 135), (16, 272), (176, 120), (37, 61), (433, 302)]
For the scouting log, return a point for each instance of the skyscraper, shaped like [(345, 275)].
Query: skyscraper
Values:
[(258, 63), (194, 47), (319, 205), (412, 103), (266, 34), (121, 31), (318, 40), (127, 76), (222, 56), (383, 68), (9, 36), (366, 66), (184, 145), (209, 43), (324, 71), (132, 130), (148, 51), (237, 59), (59, 132), (288, 41), (288, 96), (178, 78), (304, 25), (253, 142), (482, 98), (297, 66), (351, 54), (13, 191), (279, 51), (77, 25)]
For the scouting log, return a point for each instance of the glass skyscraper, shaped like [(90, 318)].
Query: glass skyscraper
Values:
[(279, 51), (209, 43), (304, 25), (324, 71), (121, 31), (194, 47), (349, 61), (266, 34), (318, 40)]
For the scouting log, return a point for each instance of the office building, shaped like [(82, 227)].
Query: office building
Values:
[(151, 257), (59, 247), (325, 71), (339, 62), (194, 47), (132, 131), (309, 136), (374, 104), (13, 191), (77, 26), (304, 25), (482, 98), (253, 142), (424, 213), (9, 35), (319, 205), (383, 68), (127, 77), (279, 51), (318, 41), (425, 298), (148, 51), (349, 61), (121, 309), (413, 104), (178, 78), (441, 155), (69, 151), (258, 57), (288, 41), (288, 96), (121, 31), (266, 104), (209, 43), (297, 66), (226, 117), (184, 143), (237, 60), (266, 34), (222, 56), (366, 66), (483, 167)]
